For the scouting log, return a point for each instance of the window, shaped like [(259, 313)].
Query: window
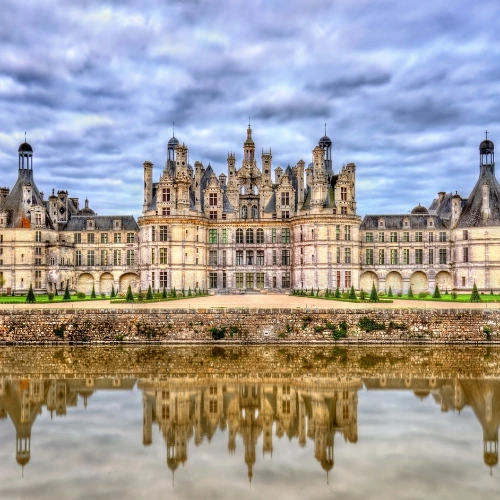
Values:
[(90, 238), (212, 236), (369, 256), (130, 237), (260, 257), (466, 254), (285, 214), (347, 279), (343, 194), (339, 284), (38, 236), (406, 255), (442, 256), (249, 236), (347, 255), (343, 210), (212, 201), (165, 211), (369, 237), (224, 280), (406, 236), (431, 255), (260, 280), (255, 212), (38, 261), (381, 236), (466, 235), (260, 235), (244, 212), (130, 257), (419, 256), (117, 257), (431, 237), (250, 258), (239, 235), (273, 235), (78, 258), (212, 258), (239, 280), (224, 236), (338, 255), (166, 195), (38, 220), (212, 279), (418, 236), (381, 256), (104, 237), (285, 199), (285, 280), (90, 258), (163, 279), (224, 260), (285, 257), (163, 256), (442, 236), (337, 232), (275, 259), (117, 237), (239, 257), (163, 233), (104, 257), (463, 280), (394, 236), (347, 233), (285, 235), (212, 215), (38, 250), (153, 255), (249, 283), (394, 256)]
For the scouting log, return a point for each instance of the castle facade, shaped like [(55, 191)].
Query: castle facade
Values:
[(256, 229)]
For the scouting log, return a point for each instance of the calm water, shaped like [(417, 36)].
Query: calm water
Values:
[(205, 423)]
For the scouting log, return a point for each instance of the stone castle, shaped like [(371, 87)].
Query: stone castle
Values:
[(249, 232)]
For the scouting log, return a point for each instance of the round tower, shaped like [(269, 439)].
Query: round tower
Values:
[(486, 152), (25, 153)]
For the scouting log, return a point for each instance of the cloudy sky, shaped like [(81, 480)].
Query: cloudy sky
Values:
[(406, 89)]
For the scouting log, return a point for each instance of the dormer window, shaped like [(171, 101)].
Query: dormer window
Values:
[(117, 224), (90, 224)]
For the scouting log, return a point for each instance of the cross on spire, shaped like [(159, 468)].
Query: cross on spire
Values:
[(249, 121), (325, 128), (486, 132), (25, 136), (173, 129)]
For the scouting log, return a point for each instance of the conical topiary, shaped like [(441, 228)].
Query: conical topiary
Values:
[(352, 293), (190, 294), (164, 293), (92, 295), (130, 295), (436, 294), (337, 293), (362, 294), (389, 293), (373, 294), (474, 296), (113, 293), (410, 293), (67, 296), (149, 295), (30, 298)]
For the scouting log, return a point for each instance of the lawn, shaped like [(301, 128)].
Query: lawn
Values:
[(42, 299)]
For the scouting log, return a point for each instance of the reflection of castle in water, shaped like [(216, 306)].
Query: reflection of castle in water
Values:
[(188, 409)]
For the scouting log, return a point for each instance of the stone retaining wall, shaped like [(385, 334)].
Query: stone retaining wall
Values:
[(250, 325)]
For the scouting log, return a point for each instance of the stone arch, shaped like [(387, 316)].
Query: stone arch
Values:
[(394, 280), (419, 282), (106, 283), (444, 281), (131, 279), (367, 280), (85, 283)]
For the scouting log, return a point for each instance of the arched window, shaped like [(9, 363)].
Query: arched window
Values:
[(260, 235), (239, 235), (255, 212), (249, 235), (244, 212)]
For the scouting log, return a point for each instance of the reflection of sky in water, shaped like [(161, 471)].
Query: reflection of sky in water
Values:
[(407, 448)]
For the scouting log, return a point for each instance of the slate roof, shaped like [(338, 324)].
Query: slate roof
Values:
[(397, 222), (102, 223)]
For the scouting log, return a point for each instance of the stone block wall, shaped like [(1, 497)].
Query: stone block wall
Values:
[(249, 326)]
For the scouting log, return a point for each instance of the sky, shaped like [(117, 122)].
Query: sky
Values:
[(406, 89)]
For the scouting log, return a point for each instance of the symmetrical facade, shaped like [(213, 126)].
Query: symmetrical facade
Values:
[(247, 231)]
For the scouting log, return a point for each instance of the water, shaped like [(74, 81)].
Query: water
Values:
[(294, 422)]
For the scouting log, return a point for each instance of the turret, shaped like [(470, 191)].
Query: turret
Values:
[(148, 185), (456, 208), (266, 167), (485, 204)]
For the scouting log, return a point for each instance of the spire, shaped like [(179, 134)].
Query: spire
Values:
[(173, 129), (486, 132)]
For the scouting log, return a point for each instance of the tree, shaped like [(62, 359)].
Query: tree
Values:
[(67, 296), (149, 295), (410, 293), (337, 293), (113, 293), (130, 295), (30, 298), (174, 293), (164, 293), (352, 293), (327, 293), (474, 296), (389, 293), (92, 295), (190, 294), (436, 294), (2, 282), (362, 294), (373, 294)]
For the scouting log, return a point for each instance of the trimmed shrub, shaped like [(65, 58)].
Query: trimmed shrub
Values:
[(130, 296), (352, 293), (67, 296), (373, 294), (92, 295), (337, 293), (113, 293), (362, 294), (389, 293), (474, 296), (149, 295), (436, 294), (410, 293), (81, 295), (164, 293), (30, 298)]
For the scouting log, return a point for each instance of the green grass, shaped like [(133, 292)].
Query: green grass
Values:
[(465, 297), (44, 299), (121, 300)]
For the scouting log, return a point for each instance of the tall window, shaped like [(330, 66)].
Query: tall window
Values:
[(369, 256), (78, 238), (78, 258), (343, 194), (130, 257), (239, 235), (163, 256), (117, 257), (224, 260), (419, 256), (260, 257), (285, 235), (255, 212), (466, 234), (239, 257), (244, 212), (442, 236), (260, 280), (38, 236), (212, 258), (260, 235), (347, 255), (165, 195), (273, 235), (274, 258), (212, 279), (381, 236), (224, 235), (418, 236), (394, 256), (406, 255), (130, 237), (212, 197), (249, 280), (117, 237), (90, 258), (431, 256), (338, 255), (163, 233), (285, 199), (249, 236), (394, 236), (431, 237), (212, 236), (466, 255), (381, 256), (285, 257), (369, 237), (347, 278), (153, 256), (239, 280), (442, 255), (90, 238), (337, 232), (163, 279), (212, 215), (285, 279), (104, 257), (104, 237), (347, 233), (406, 236)]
